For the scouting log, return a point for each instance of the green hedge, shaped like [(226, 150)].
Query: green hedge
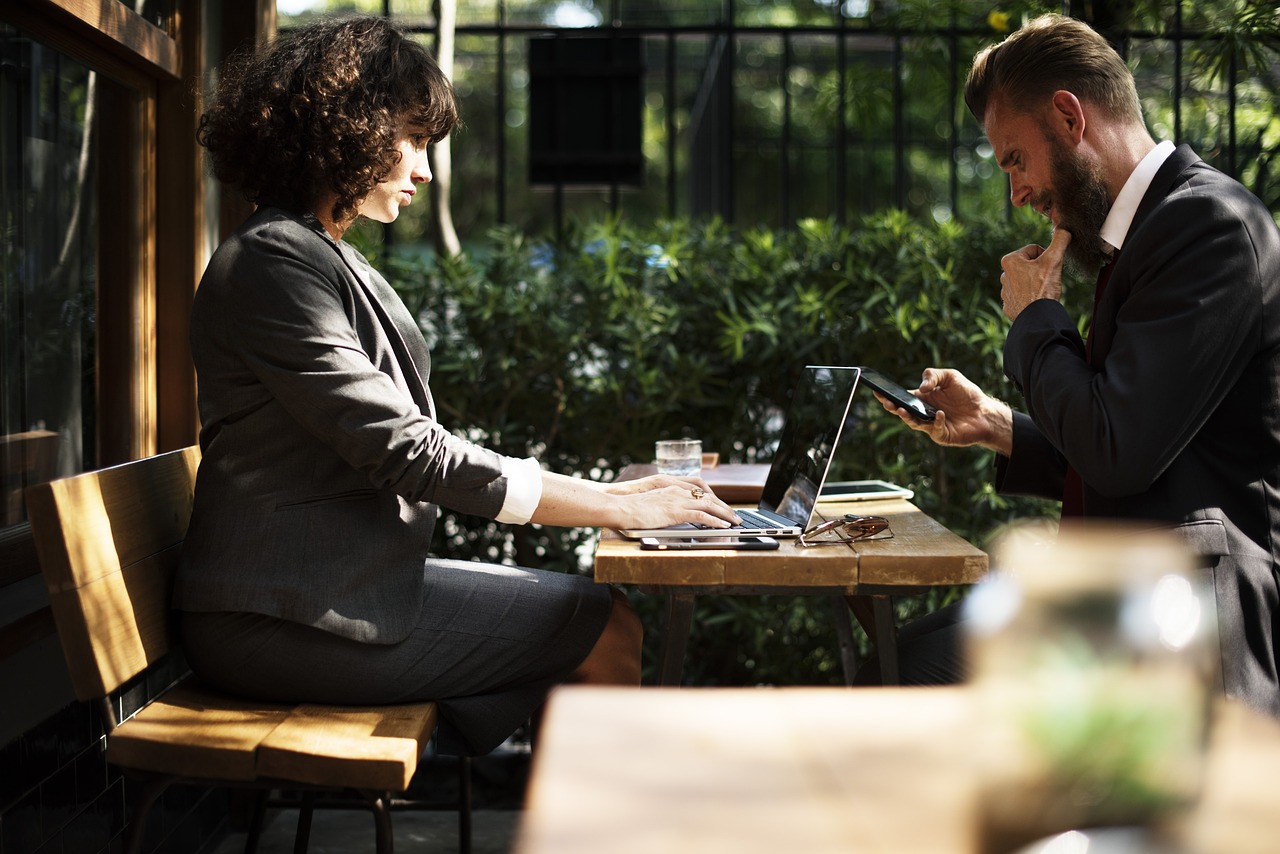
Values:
[(585, 353)]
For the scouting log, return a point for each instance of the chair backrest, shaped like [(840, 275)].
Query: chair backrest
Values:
[(109, 542)]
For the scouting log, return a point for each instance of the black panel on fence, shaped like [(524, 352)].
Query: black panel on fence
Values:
[(586, 102)]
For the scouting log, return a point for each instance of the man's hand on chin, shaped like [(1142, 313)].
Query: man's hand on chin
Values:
[(1033, 273)]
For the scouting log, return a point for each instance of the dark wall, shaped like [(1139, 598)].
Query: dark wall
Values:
[(57, 793)]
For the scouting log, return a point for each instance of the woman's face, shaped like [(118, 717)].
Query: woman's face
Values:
[(385, 200)]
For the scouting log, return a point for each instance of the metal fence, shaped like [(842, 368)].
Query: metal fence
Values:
[(845, 109)]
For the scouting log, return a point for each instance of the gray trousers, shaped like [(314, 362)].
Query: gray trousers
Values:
[(490, 643)]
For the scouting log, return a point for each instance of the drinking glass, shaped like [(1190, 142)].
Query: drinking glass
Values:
[(679, 457)]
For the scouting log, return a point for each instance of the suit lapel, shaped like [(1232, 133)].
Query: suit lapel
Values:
[(1103, 322), (1163, 182), (399, 327)]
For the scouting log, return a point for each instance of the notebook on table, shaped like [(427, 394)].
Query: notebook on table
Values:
[(811, 431)]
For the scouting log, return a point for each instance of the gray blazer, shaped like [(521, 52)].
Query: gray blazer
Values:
[(322, 459)]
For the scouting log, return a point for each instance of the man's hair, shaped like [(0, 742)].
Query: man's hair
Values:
[(321, 109), (1047, 54)]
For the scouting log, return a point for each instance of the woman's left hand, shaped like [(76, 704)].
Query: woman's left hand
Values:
[(655, 481), (658, 501), (661, 499)]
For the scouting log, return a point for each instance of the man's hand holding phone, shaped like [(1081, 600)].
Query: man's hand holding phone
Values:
[(887, 388), (966, 415)]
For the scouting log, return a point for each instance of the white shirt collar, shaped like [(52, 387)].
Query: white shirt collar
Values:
[(1116, 226)]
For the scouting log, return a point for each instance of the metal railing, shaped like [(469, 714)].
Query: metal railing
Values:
[(766, 124)]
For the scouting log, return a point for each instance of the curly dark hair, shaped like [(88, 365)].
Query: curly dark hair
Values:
[(320, 109)]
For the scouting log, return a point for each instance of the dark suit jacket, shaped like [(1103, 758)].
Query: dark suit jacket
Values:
[(322, 459), (1176, 417)]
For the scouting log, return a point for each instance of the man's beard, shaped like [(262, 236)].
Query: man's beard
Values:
[(1082, 205)]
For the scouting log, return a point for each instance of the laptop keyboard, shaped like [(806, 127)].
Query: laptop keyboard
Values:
[(751, 519)]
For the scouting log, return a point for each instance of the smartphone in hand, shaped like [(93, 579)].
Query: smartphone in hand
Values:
[(918, 409)]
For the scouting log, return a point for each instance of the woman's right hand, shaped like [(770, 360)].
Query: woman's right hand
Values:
[(662, 500), (966, 414), (648, 502)]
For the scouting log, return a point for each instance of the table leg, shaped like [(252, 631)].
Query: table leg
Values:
[(875, 614), (886, 638), (675, 638), (844, 638)]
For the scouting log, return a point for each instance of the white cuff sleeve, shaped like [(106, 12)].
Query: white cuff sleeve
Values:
[(524, 490)]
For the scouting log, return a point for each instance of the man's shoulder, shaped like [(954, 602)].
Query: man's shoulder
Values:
[(1196, 196), (1192, 177)]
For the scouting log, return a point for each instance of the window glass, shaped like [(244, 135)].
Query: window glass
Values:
[(413, 13), (290, 13), (678, 13), (477, 12), (153, 11), (48, 264)]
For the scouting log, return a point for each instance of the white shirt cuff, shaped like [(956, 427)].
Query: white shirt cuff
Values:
[(524, 490)]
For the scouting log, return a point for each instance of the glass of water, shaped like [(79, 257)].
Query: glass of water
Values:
[(679, 457)]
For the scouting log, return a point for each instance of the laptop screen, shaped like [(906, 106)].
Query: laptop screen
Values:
[(816, 416)]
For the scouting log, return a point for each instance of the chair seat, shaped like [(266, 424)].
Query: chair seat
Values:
[(375, 748), (194, 732)]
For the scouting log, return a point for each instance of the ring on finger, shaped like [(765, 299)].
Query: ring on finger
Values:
[(698, 492)]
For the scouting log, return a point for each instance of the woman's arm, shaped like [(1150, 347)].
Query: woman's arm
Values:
[(651, 502)]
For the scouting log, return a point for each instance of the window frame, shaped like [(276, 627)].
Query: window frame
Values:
[(149, 261)]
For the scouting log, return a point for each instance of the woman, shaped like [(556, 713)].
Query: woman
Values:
[(306, 575)]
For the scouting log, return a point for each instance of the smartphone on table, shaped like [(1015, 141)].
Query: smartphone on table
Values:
[(918, 409), (690, 543)]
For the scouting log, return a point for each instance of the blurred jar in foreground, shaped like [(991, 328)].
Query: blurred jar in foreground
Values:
[(1093, 653)]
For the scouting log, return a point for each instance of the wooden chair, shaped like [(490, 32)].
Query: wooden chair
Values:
[(109, 543)]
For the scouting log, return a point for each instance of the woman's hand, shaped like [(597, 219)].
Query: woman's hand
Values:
[(661, 500), (966, 414), (649, 502)]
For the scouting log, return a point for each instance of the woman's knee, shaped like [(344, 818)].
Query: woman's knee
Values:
[(624, 619), (615, 658)]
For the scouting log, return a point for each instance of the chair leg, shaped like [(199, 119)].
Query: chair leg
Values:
[(302, 838), (380, 805), (149, 793), (256, 821), (464, 805)]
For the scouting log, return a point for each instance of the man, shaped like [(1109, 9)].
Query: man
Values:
[(1170, 412)]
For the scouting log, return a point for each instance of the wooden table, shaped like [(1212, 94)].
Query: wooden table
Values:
[(814, 770), (865, 575)]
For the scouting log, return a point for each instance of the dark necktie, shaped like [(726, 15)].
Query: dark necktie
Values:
[(1073, 487)]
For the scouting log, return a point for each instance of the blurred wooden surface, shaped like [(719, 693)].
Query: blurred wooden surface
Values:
[(818, 770)]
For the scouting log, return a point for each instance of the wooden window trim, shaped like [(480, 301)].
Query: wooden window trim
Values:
[(69, 25), (143, 60), (126, 298), (147, 387)]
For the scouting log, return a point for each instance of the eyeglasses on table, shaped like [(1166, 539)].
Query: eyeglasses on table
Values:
[(849, 528)]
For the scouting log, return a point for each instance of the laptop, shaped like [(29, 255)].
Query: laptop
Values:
[(815, 419)]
